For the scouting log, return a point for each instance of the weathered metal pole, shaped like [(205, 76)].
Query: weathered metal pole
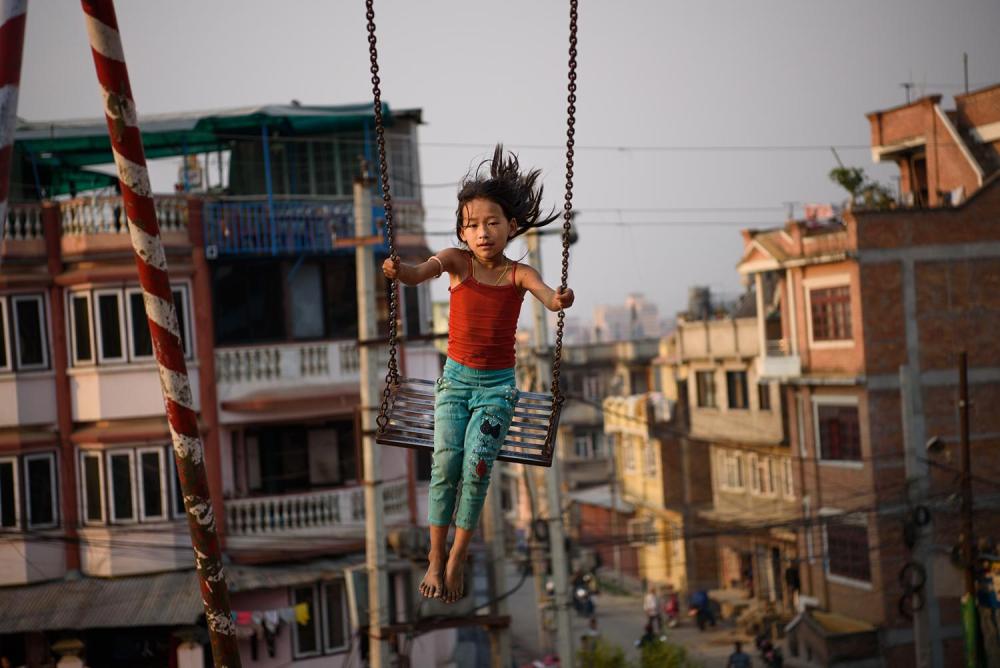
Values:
[(126, 144), (12, 18)]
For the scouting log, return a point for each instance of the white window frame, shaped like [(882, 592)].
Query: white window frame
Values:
[(71, 319), (345, 616), (99, 326), (788, 479), (51, 457), (130, 453), (17, 493), (43, 326), (835, 400), (102, 486), (856, 519), (164, 497), (822, 283), (130, 341), (9, 366)]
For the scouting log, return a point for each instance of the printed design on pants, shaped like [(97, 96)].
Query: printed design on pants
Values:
[(489, 443)]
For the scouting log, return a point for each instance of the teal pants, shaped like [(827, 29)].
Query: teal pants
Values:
[(472, 413)]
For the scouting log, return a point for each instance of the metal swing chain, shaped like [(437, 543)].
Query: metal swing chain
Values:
[(557, 398), (392, 377)]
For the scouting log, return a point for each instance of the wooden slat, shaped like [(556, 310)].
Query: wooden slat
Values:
[(411, 423)]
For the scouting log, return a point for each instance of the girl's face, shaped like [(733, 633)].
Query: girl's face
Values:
[(485, 229)]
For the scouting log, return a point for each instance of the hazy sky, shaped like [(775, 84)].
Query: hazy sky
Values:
[(686, 109)]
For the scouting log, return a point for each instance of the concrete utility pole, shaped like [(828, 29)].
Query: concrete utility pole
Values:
[(926, 621), (493, 533), (371, 385), (557, 544)]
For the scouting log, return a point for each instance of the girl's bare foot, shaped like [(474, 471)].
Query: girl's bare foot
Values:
[(454, 579), (432, 585)]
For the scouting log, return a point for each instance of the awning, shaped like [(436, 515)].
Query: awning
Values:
[(78, 143), (340, 399), (164, 599)]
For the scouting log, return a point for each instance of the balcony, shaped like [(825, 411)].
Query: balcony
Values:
[(260, 521), (778, 362), (95, 224), (23, 234), (287, 372)]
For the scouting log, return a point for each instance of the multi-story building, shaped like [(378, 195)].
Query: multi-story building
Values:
[(263, 268), (737, 418), (870, 313)]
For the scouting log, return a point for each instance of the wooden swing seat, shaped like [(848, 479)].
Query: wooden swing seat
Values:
[(411, 423)]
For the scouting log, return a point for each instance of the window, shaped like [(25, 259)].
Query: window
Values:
[(306, 636), (583, 446), (152, 493), (705, 382), (593, 388), (5, 364), (411, 308), (29, 329), (122, 494), (93, 487), (764, 396), (402, 160), (110, 328), (838, 432), (131, 484), (81, 332), (736, 389), (141, 341), (847, 550), (788, 479), (9, 510), (641, 532), (650, 448), (335, 628), (831, 313), (328, 630), (767, 485), (305, 291), (116, 319), (40, 490), (731, 470)]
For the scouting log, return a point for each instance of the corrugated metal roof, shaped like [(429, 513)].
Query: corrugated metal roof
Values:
[(164, 599)]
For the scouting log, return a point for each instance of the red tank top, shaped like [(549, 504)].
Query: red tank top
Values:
[(482, 322)]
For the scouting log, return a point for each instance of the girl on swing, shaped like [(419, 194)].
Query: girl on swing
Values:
[(476, 394)]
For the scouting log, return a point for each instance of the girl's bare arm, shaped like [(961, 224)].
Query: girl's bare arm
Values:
[(530, 280), (448, 260)]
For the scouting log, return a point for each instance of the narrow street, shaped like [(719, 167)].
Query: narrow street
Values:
[(620, 620)]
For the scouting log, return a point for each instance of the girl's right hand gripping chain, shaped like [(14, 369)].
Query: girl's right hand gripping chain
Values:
[(390, 268)]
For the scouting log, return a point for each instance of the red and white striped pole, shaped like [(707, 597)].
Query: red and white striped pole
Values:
[(126, 144), (12, 17)]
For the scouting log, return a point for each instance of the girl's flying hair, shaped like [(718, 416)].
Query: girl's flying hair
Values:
[(515, 193)]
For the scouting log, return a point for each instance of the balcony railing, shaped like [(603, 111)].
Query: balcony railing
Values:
[(778, 361), (24, 222), (311, 513), (260, 227), (106, 215), (287, 363)]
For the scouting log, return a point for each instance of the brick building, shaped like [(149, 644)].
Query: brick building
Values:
[(870, 313)]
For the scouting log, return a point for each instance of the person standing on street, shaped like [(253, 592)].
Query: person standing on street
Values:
[(739, 658), (651, 606)]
